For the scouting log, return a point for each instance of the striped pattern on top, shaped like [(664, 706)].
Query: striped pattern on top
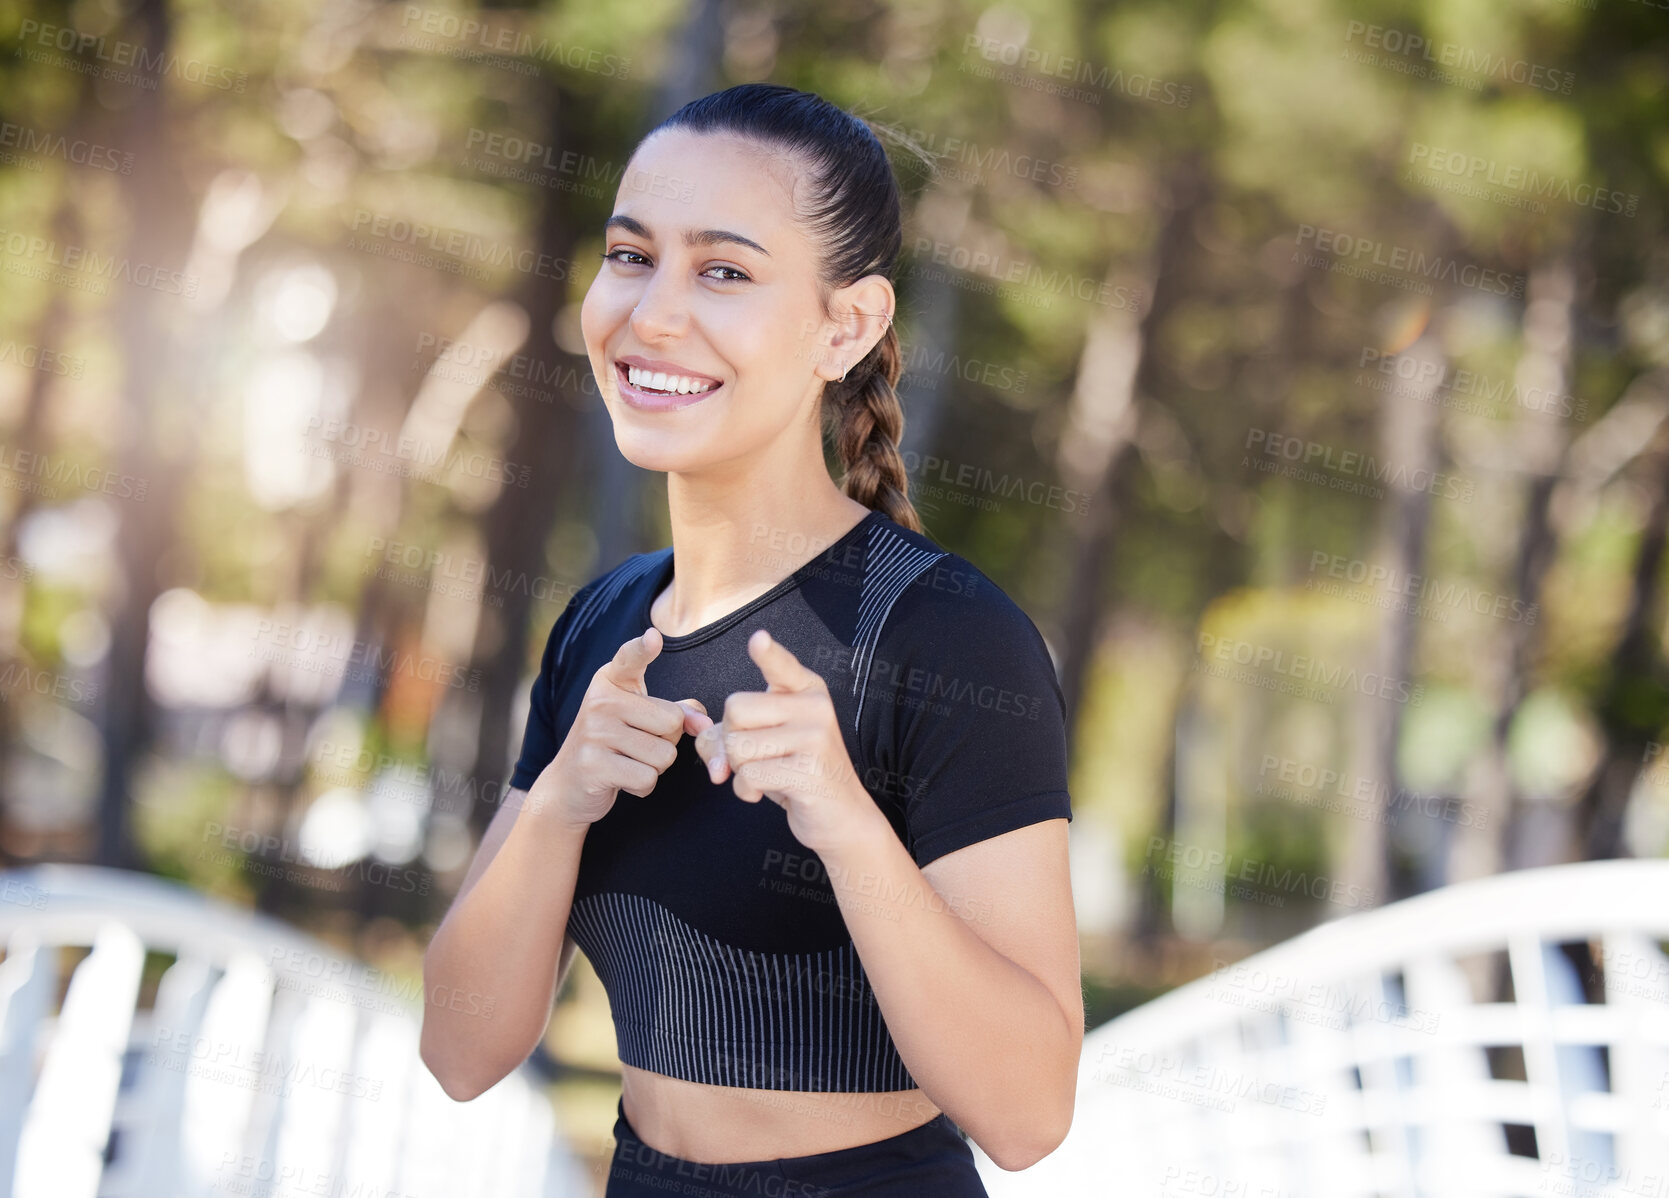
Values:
[(692, 1007), (609, 586), (890, 564)]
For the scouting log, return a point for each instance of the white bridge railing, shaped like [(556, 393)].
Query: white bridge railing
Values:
[(268, 1064), (1444, 1046)]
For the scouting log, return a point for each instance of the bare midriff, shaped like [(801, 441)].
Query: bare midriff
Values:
[(724, 1124)]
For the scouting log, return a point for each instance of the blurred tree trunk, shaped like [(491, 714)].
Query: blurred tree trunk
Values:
[(1114, 370), (934, 305), (1540, 447), (933, 340), (1633, 703), (160, 212), (1391, 861), (1149, 922)]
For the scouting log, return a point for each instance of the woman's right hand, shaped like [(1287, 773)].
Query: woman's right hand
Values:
[(622, 738)]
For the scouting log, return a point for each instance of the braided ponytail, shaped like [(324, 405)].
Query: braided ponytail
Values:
[(855, 213), (869, 422)]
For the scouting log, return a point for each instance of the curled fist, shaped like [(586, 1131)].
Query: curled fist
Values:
[(622, 738)]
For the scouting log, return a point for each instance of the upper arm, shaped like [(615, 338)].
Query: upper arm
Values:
[(969, 712), (541, 739), (1014, 891)]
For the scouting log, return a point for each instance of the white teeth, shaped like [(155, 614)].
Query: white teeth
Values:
[(672, 383)]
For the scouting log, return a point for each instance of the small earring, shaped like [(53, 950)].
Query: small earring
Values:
[(886, 319)]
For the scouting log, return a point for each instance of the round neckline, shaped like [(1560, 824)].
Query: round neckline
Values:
[(664, 572)]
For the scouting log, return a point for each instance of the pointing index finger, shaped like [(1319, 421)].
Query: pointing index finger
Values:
[(783, 671), (632, 659)]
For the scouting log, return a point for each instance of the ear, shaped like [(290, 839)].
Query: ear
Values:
[(859, 314)]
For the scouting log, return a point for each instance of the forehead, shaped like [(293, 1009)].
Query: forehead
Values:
[(681, 180)]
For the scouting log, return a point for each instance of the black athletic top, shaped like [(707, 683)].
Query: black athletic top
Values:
[(715, 932)]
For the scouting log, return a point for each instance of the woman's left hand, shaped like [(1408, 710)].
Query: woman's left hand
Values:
[(784, 744)]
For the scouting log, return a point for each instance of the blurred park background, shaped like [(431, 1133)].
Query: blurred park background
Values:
[(1301, 367)]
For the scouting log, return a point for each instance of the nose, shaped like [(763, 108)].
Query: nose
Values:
[(662, 308)]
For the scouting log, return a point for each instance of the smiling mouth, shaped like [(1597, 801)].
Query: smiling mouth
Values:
[(657, 382)]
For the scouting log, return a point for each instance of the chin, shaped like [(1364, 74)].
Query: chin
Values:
[(667, 453)]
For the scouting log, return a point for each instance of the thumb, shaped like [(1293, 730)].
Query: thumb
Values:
[(696, 719)]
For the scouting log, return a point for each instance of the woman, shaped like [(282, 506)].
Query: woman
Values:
[(829, 991)]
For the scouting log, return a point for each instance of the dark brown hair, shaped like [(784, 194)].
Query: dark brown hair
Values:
[(855, 215)]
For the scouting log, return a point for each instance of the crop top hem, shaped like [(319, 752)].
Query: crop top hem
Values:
[(993, 821), (769, 1089)]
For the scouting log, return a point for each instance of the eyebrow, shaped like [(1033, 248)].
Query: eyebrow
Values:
[(692, 237)]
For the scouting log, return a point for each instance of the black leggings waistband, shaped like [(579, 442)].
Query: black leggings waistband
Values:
[(929, 1161)]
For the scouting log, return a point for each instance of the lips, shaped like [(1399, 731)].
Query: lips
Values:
[(658, 401)]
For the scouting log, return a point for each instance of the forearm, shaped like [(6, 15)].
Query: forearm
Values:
[(984, 1038), (490, 970)]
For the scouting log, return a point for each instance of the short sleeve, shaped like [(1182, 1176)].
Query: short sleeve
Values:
[(968, 715), (542, 738)]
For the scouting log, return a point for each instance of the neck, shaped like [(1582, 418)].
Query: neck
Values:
[(733, 540)]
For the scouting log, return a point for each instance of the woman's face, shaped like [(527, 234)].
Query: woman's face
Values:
[(737, 313)]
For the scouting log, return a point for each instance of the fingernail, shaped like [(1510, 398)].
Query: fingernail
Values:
[(713, 768)]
